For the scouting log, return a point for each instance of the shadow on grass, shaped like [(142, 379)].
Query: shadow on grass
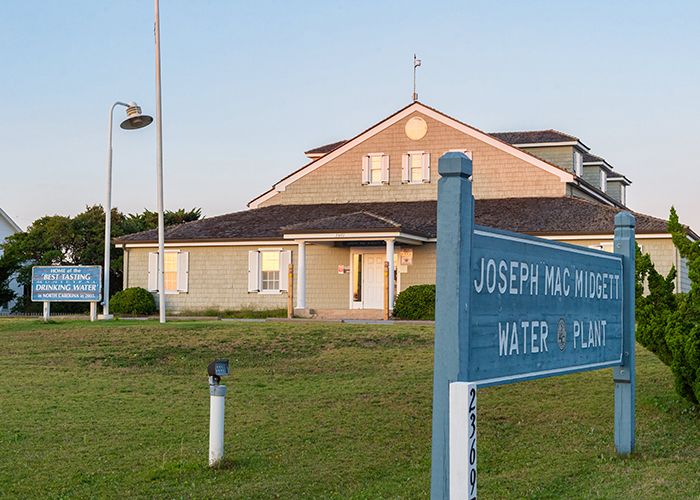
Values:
[(173, 471), (231, 464)]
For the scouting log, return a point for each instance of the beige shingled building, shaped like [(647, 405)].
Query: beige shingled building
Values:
[(372, 199)]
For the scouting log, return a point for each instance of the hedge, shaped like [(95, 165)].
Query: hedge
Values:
[(416, 302), (135, 301)]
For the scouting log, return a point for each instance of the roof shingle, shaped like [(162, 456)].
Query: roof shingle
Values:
[(538, 216)]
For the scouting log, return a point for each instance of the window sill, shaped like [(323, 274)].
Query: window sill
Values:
[(270, 292)]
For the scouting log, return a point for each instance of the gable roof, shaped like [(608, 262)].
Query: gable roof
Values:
[(10, 221), (564, 175), (555, 216)]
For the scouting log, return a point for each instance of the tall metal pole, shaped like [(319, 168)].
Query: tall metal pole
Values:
[(161, 222), (416, 63), (108, 212)]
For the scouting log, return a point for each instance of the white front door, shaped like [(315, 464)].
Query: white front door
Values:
[(373, 281)]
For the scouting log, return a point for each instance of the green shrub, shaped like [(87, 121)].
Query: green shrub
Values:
[(668, 324), (136, 301), (416, 302)]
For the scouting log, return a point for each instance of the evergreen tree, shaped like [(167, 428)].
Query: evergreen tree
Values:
[(668, 324)]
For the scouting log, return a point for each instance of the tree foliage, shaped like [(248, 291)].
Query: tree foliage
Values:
[(668, 324), (58, 240)]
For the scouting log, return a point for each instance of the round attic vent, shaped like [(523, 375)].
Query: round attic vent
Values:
[(416, 128)]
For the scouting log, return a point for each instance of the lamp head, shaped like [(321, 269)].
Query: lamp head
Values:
[(135, 118), (216, 370)]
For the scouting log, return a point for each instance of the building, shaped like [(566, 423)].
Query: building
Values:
[(7, 228), (373, 198)]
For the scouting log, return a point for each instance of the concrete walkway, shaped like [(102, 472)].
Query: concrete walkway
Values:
[(247, 320)]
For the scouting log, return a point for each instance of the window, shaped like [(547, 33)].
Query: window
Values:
[(375, 169), (270, 267), (357, 278), (176, 266), (578, 163), (603, 180), (415, 167), (267, 270), (170, 263), (623, 194)]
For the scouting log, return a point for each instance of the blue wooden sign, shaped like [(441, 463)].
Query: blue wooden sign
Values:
[(540, 308), (512, 307), (66, 283)]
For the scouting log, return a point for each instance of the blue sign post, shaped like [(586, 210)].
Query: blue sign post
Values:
[(512, 307)]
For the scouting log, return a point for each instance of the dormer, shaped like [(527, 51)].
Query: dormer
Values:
[(596, 171), (563, 150), (617, 187), (599, 173)]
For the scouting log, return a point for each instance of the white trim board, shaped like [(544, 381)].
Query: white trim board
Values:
[(610, 236), (207, 244), (355, 236), (10, 221)]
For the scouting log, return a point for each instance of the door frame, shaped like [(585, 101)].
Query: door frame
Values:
[(370, 250)]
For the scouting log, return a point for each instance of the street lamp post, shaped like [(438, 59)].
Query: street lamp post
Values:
[(133, 121), (159, 133)]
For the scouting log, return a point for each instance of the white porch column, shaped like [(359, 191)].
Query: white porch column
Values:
[(390, 259), (301, 276)]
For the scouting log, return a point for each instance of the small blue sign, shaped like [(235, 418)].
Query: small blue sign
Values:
[(66, 283), (540, 308)]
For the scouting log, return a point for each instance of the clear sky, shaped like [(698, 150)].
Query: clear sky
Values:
[(249, 86)]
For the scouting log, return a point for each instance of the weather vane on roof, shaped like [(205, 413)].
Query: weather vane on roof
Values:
[(416, 63)]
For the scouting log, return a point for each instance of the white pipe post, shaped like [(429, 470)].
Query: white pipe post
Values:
[(47, 310), (93, 311), (108, 212), (216, 423), (301, 276), (161, 222)]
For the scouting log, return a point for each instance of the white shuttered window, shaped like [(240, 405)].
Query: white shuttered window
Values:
[(375, 169), (177, 270), (268, 270), (415, 167)]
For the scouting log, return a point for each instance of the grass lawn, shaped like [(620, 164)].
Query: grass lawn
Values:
[(313, 411)]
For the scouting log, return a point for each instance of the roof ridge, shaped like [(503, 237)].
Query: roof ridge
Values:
[(340, 216), (385, 219)]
